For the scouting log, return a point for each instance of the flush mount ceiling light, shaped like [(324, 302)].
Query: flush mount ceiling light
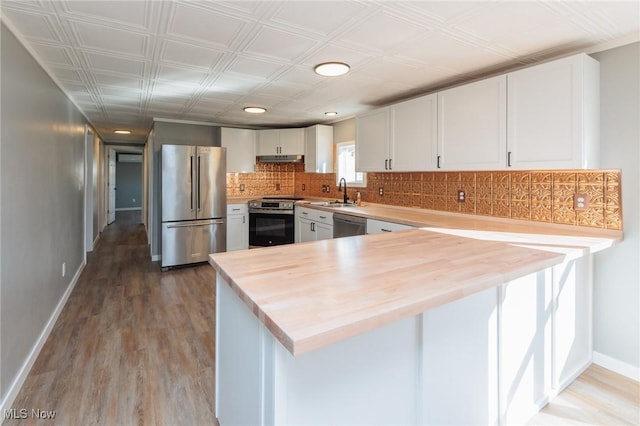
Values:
[(255, 110), (122, 132), (332, 69), (330, 113)]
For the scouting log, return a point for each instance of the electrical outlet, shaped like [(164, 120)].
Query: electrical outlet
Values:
[(381, 191), (64, 269), (303, 187), (134, 200), (277, 187), (461, 196), (581, 202), (242, 187)]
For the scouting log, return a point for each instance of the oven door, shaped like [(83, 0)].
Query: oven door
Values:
[(270, 228)]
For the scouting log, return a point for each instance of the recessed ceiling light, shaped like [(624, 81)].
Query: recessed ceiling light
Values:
[(332, 69), (255, 110), (122, 132), (330, 113)]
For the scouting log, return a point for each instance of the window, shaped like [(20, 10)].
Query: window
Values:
[(346, 165)]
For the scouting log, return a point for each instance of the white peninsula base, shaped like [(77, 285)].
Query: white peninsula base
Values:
[(494, 357)]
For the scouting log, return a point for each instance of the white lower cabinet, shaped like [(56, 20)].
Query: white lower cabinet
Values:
[(375, 226), (237, 227), (312, 225), (493, 357)]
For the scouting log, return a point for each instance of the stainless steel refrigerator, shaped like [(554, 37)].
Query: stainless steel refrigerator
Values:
[(194, 203)]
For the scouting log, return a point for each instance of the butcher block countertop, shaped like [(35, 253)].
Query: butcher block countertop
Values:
[(311, 295)]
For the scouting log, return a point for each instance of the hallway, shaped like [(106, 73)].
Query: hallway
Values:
[(133, 345)]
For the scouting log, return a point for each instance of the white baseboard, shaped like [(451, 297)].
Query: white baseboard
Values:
[(124, 209), (617, 366), (156, 257), (96, 240), (15, 387)]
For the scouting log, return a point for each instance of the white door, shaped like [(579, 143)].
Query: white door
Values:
[(88, 191), (112, 187)]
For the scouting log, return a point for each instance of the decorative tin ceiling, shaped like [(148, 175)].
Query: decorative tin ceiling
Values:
[(125, 62)]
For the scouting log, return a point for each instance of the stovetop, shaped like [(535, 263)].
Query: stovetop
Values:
[(274, 203)]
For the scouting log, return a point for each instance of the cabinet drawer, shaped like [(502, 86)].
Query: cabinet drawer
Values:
[(237, 209), (313, 215), (378, 226)]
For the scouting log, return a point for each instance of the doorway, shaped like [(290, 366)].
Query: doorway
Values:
[(124, 181)]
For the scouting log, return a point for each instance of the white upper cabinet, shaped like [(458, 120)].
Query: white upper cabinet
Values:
[(240, 144), (372, 141), (413, 144), (318, 149), (553, 114), (280, 142), (399, 138), (472, 126), (292, 141)]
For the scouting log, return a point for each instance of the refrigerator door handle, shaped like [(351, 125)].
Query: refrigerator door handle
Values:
[(191, 179), (189, 225), (199, 182)]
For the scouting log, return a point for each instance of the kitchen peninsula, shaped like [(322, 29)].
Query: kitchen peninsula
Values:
[(426, 326)]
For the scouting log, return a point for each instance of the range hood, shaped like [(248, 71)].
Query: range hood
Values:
[(280, 158)]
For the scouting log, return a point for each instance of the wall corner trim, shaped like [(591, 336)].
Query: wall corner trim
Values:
[(19, 380), (617, 366)]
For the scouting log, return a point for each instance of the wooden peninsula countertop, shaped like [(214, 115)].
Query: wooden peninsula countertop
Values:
[(311, 295)]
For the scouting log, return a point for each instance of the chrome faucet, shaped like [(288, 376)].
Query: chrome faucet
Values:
[(344, 198)]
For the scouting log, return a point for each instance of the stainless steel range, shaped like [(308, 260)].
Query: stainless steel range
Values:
[(271, 221)]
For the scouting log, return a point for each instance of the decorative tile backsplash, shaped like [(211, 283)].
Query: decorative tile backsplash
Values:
[(541, 196)]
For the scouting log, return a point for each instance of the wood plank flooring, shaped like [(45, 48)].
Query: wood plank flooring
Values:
[(136, 346), (133, 345)]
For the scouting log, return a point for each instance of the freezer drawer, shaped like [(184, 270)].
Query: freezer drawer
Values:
[(192, 241)]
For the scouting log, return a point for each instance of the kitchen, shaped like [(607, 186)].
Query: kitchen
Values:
[(615, 274)]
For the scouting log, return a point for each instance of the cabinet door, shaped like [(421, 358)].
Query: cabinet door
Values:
[(291, 141), (237, 232), (305, 231), (323, 231), (268, 142), (472, 126), (551, 110), (372, 141), (241, 149), (318, 149), (414, 134)]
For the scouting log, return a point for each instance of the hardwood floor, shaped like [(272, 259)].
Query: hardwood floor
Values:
[(597, 397), (135, 345)]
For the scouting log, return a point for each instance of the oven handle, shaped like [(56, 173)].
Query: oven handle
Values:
[(266, 211)]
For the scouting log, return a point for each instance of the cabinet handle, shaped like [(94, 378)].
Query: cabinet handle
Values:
[(509, 159), (386, 162), (313, 228), (438, 165), (390, 168), (243, 220), (236, 210), (322, 217), (305, 212), (385, 230)]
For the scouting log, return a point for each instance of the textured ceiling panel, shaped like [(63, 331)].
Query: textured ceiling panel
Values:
[(126, 62)]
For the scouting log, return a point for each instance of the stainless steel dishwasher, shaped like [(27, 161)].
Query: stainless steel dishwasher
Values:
[(346, 225)]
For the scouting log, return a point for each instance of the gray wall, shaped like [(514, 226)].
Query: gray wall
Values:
[(129, 185), (617, 271), (169, 133), (41, 199), (344, 131)]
